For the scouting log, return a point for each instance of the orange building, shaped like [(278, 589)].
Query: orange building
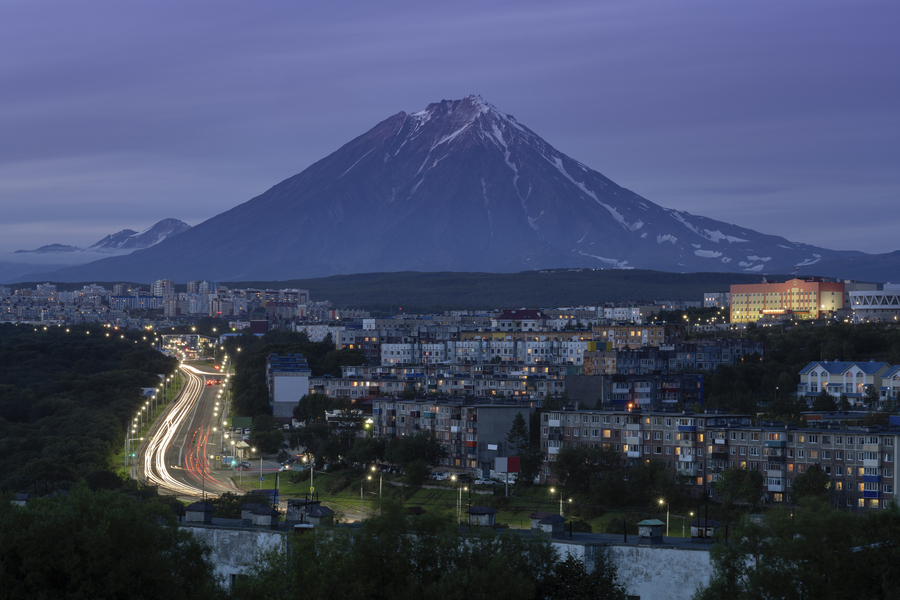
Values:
[(797, 298)]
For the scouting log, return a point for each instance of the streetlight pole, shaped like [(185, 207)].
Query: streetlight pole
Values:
[(260, 467), (553, 491), (361, 481), (380, 480), (682, 522), (662, 502)]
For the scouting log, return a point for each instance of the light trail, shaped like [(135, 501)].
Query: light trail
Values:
[(194, 458)]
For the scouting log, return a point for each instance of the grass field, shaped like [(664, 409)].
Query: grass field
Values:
[(341, 493)]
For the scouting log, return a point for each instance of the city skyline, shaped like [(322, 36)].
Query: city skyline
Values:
[(779, 118)]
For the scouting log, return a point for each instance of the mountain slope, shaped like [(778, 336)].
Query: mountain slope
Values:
[(133, 240), (456, 187)]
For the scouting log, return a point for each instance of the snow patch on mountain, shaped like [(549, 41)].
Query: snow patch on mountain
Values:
[(718, 236), (809, 261), (707, 253), (666, 238)]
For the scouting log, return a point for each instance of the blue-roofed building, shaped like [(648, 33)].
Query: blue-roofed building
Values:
[(842, 378), (890, 384)]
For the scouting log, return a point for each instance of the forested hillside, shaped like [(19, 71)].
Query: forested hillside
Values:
[(66, 397)]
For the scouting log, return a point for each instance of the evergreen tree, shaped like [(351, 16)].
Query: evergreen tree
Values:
[(518, 437)]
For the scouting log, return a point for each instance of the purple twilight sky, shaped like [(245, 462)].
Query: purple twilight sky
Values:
[(783, 117)]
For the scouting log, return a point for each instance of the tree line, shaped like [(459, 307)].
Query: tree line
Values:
[(67, 397)]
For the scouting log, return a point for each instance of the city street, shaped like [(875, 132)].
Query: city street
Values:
[(184, 451)]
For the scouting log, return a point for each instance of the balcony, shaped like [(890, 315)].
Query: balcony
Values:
[(553, 450), (634, 453)]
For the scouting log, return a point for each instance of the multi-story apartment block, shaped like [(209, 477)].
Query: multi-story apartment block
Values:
[(634, 336), (287, 376), (520, 320), (694, 357), (473, 432), (859, 462), (162, 288), (470, 380), (797, 298), (716, 299)]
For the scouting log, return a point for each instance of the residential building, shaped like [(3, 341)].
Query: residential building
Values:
[(287, 376), (473, 431), (858, 461), (842, 378)]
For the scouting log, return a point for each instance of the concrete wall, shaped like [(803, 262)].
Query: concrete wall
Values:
[(651, 572), (647, 572), (234, 549)]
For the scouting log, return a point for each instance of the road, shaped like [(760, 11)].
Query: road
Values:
[(181, 455)]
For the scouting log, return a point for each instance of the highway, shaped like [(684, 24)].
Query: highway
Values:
[(177, 457)]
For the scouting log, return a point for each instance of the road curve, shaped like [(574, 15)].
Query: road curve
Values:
[(176, 458)]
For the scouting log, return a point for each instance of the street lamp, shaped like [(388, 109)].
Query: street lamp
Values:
[(553, 491), (661, 503), (361, 481), (260, 467), (682, 522), (380, 480)]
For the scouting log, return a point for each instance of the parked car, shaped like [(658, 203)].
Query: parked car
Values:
[(439, 476), (484, 482)]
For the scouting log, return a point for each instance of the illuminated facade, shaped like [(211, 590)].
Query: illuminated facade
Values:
[(796, 298)]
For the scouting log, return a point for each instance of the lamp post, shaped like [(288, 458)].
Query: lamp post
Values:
[(380, 480), (682, 522), (260, 467), (661, 503), (361, 481), (553, 491)]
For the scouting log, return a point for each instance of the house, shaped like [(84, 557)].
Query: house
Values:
[(839, 378), (482, 515)]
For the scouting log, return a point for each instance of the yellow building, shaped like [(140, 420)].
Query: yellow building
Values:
[(795, 298)]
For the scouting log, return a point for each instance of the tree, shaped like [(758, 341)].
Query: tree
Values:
[(100, 545), (366, 450), (416, 473), (824, 402), (808, 551), (844, 404), (518, 438), (740, 485), (576, 466), (870, 398), (572, 581), (391, 558), (813, 482), (406, 449)]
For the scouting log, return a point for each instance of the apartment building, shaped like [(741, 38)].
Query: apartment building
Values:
[(472, 431), (859, 461), (287, 376), (633, 336)]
